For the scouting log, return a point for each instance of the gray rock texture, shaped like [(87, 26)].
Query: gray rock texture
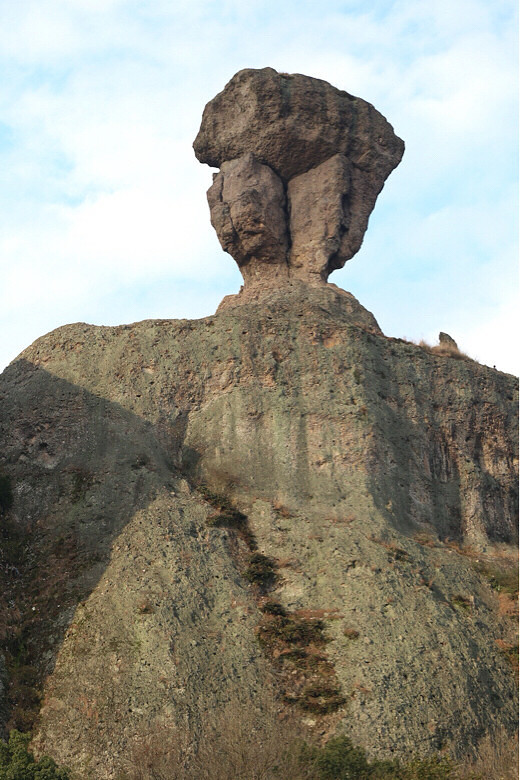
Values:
[(331, 150), (319, 219), (354, 456), (446, 340), (248, 212), (293, 123)]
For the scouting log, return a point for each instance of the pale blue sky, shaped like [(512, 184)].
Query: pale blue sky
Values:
[(103, 214)]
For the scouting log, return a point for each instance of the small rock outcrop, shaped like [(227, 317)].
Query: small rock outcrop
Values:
[(301, 166), (445, 340)]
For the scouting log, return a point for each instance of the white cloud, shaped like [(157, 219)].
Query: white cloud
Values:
[(101, 193)]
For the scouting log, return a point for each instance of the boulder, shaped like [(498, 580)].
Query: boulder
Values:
[(446, 340), (330, 150), (293, 123)]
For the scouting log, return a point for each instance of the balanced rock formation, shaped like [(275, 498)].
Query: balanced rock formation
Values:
[(154, 465), (272, 133), (247, 202)]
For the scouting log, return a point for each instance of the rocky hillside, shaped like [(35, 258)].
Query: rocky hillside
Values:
[(277, 501), (353, 457)]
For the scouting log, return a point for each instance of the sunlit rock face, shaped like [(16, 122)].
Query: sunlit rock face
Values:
[(302, 164)]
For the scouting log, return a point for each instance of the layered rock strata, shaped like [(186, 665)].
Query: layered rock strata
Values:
[(329, 152)]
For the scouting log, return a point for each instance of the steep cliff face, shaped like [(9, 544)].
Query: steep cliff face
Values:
[(353, 456)]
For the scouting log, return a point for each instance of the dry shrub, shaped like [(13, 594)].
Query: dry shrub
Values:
[(496, 758), (425, 539), (282, 510), (240, 743), (449, 350), (235, 741), (444, 350), (342, 520), (160, 755), (507, 605)]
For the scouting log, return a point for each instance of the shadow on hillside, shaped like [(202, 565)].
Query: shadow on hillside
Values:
[(80, 467)]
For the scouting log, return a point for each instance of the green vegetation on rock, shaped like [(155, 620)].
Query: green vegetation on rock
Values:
[(18, 763)]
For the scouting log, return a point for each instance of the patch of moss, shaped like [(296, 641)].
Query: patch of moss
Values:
[(503, 580), (458, 601)]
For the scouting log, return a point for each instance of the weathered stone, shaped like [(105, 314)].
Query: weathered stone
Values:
[(333, 151), (446, 340), (247, 205), (319, 218), (298, 402), (292, 123)]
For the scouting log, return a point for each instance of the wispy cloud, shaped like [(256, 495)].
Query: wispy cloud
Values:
[(103, 211)]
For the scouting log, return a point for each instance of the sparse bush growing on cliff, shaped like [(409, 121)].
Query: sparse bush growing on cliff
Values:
[(496, 757), (444, 350), (18, 763), (261, 570), (272, 608), (458, 601), (321, 698), (501, 579), (227, 516), (282, 630), (236, 745)]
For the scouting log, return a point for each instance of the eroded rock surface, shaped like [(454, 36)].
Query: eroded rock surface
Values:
[(330, 150), (353, 455), (319, 218), (247, 204)]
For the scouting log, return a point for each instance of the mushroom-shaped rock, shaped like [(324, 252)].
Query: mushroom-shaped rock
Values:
[(330, 150)]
